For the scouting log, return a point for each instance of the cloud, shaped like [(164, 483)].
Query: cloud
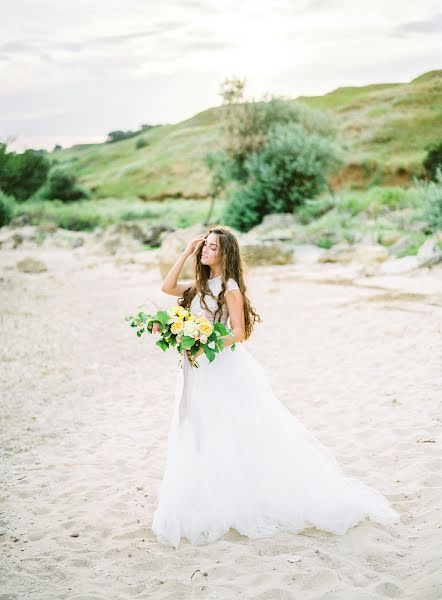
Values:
[(431, 25)]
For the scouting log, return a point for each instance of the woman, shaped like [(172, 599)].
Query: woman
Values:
[(237, 457)]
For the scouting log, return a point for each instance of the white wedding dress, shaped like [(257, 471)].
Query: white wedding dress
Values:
[(238, 458)]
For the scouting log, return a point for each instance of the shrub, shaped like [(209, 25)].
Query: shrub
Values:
[(141, 143), (79, 222), (61, 185), (353, 204), (324, 242), (21, 175), (7, 206), (312, 209), (431, 195), (288, 170), (433, 160)]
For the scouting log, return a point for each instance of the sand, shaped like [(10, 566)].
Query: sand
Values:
[(85, 409)]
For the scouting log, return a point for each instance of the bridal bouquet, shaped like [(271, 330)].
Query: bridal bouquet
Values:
[(180, 328)]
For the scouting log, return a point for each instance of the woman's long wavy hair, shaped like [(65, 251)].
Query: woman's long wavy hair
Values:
[(231, 267)]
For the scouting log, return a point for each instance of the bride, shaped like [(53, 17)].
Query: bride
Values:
[(237, 457)]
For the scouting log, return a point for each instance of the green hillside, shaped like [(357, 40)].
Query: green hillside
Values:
[(384, 129)]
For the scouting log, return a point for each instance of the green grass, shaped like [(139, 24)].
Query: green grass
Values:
[(85, 215), (383, 128), (382, 214)]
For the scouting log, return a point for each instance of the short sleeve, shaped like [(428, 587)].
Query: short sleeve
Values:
[(231, 285)]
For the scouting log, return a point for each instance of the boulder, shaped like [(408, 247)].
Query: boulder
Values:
[(364, 254), (401, 244), (47, 227), (370, 253), (266, 252), (126, 228), (31, 265), (174, 244), (155, 235), (399, 265), (340, 253), (307, 254), (274, 227), (429, 253)]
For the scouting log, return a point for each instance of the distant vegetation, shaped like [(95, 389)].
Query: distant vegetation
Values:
[(383, 130), (367, 163), (118, 136)]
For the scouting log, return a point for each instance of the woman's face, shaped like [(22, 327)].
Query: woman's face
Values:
[(210, 254)]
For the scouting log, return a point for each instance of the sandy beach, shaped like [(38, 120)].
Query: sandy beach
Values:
[(85, 409)]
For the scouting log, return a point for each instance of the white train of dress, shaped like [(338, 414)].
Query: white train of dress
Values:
[(240, 459)]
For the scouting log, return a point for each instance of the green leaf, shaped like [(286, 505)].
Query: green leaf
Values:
[(162, 344), (233, 346), (209, 353), (220, 328), (162, 317), (187, 342)]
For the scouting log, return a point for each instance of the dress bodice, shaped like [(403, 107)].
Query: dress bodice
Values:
[(215, 287)]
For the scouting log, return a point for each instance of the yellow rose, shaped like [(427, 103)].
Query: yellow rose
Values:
[(177, 326), (181, 312), (205, 328)]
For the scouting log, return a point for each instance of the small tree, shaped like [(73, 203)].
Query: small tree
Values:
[(290, 168), (62, 185), (7, 206), (433, 160), (21, 175)]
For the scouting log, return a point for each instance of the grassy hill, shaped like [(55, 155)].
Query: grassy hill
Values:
[(384, 129)]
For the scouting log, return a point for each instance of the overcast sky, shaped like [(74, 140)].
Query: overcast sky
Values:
[(70, 72)]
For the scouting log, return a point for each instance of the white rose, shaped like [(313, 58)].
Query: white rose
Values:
[(191, 328)]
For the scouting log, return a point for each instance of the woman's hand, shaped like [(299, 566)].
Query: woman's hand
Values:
[(191, 246), (194, 356)]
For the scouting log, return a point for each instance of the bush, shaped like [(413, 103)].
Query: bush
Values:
[(433, 160), (141, 143), (61, 185), (21, 175), (288, 170), (79, 222), (7, 207), (312, 209), (431, 195)]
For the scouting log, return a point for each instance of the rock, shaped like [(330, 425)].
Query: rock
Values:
[(127, 228), (370, 253), (111, 245), (20, 221), (274, 227), (390, 238), (266, 252), (76, 242), (173, 244), (47, 227), (98, 232), (399, 265), (31, 265), (11, 238), (429, 253), (342, 253), (155, 236), (307, 253), (401, 244), (345, 253)]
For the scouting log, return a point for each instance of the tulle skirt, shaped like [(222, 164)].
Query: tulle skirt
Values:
[(240, 459)]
